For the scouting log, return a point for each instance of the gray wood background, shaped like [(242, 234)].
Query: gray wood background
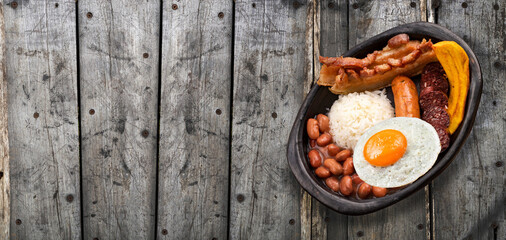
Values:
[(169, 120)]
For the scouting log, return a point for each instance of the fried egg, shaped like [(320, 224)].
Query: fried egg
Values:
[(396, 152)]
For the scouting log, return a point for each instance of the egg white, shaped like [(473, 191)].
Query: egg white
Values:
[(422, 150)]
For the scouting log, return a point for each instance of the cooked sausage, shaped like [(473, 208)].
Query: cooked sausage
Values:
[(432, 98), (346, 186), (315, 159), (436, 116), (324, 139), (405, 97), (333, 166), (364, 190), (444, 136), (313, 131), (343, 155), (332, 149), (435, 80), (333, 183), (322, 172), (379, 191), (323, 122), (348, 168)]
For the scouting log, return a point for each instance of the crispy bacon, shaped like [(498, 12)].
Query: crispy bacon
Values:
[(400, 57)]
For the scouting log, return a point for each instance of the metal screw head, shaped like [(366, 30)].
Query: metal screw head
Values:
[(274, 115), (89, 15), (464, 4), (70, 198), (145, 55), (221, 15), (331, 5), (92, 111), (497, 64), (327, 219), (165, 232), (254, 5), (14, 4), (292, 221), (36, 115), (174, 7), (145, 133), (296, 4), (18, 222), (360, 234), (240, 198), (498, 164), (496, 7), (419, 226), (218, 111), (355, 6), (412, 4)]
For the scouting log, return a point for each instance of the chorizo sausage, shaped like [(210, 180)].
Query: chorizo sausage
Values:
[(405, 97)]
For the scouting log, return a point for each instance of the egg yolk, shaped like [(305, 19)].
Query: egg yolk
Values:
[(385, 148)]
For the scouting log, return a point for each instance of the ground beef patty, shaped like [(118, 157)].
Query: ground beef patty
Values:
[(437, 116), (432, 98)]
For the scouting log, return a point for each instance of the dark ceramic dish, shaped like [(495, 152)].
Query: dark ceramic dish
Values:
[(320, 99)]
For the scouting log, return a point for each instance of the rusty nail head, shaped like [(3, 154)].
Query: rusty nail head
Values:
[(18, 222), (174, 6), (355, 5), (464, 4), (498, 164), (36, 115), (218, 111), (70, 198), (360, 234), (89, 15), (291, 222), (92, 111), (496, 7), (412, 4), (14, 4), (240, 198), (331, 5), (165, 232), (419, 226), (221, 15), (145, 133), (274, 115), (145, 55)]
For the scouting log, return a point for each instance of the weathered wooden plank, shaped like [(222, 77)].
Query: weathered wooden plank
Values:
[(119, 56), (327, 224), (5, 208), (43, 113), (406, 219), (469, 197), (195, 119), (268, 88)]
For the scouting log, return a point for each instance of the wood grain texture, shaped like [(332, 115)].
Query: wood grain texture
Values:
[(401, 220), (5, 193), (43, 127), (268, 89), (469, 197), (119, 49), (326, 223), (195, 119)]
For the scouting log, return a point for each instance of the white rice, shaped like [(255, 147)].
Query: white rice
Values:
[(352, 114)]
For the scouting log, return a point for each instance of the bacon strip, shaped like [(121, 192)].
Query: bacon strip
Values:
[(377, 70)]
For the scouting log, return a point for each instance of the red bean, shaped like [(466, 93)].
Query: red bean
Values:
[(324, 139), (364, 190), (333, 166), (379, 191), (313, 131), (346, 186), (333, 149), (343, 155), (315, 159), (333, 183), (348, 166), (356, 179), (323, 122), (322, 172)]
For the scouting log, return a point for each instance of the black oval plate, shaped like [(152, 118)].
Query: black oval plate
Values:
[(320, 99)]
